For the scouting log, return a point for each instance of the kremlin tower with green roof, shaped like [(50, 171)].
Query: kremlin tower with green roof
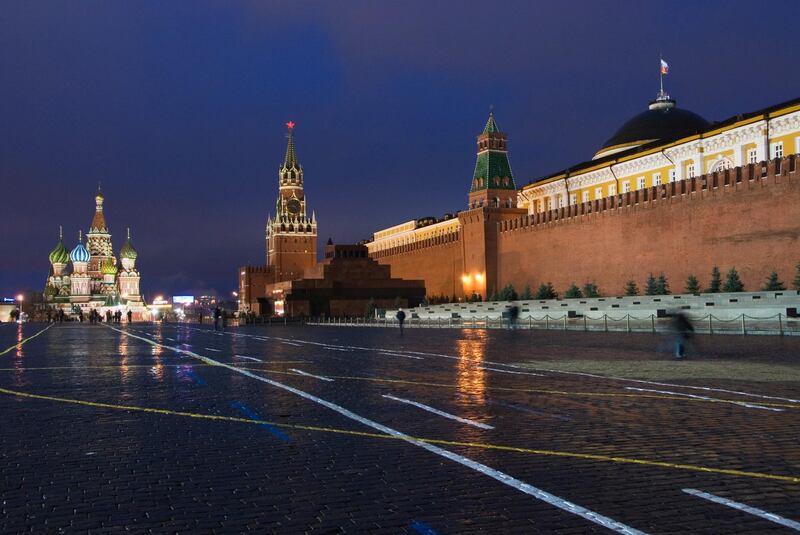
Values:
[(89, 277), (492, 181)]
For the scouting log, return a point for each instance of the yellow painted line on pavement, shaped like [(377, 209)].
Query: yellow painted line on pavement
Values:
[(481, 445), (28, 339)]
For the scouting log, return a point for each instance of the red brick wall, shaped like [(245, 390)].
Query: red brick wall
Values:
[(440, 266), (752, 225)]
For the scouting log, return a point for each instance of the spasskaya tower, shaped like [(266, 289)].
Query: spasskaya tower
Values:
[(291, 234)]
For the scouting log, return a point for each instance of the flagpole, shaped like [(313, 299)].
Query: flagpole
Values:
[(661, 73)]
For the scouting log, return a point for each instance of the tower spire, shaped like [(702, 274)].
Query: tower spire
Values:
[(60, 232), (290, 161)]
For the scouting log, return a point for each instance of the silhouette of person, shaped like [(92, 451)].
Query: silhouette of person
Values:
[(401, 318), (682, 329)]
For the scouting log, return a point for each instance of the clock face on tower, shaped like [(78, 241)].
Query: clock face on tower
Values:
[(293, 205)]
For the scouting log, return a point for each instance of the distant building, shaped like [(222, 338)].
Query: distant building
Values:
[(89, 277)]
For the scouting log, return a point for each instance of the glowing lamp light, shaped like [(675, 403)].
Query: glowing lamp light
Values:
[(465, 279), (478, 277), (20, 297)]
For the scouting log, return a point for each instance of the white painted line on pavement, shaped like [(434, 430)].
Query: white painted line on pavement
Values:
[(321, 378), (440, 413), (248, 358), (212, 349), (745, 508), (508, 371), (694, 396), (400, 355), (290, 344), (539, 494)]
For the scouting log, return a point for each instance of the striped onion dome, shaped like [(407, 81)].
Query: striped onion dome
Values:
[(79, 253), (59, 255)]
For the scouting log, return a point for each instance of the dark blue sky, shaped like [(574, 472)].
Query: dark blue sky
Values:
[(179, 109)]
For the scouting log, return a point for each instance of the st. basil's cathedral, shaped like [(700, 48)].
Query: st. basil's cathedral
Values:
[(89, 277)]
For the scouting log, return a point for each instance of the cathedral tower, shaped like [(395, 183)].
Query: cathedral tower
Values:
[(492, 182), (99, 245), (292, 234)]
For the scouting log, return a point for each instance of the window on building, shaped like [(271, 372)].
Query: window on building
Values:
[(585, 196), (561, 201), (657, 179), (573, 198), (673, 176), (690, 170), (612, 190), (626, 186), (777, 150), (752, 156), (640, 183), (549, 203), (598, 193)]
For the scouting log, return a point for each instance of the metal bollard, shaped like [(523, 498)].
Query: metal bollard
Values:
[(744, 331)]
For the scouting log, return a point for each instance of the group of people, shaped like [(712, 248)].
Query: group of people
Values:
[(94, 316)]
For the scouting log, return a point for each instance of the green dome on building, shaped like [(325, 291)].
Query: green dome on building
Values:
[(59, 255), (127, 250), (108, 268)]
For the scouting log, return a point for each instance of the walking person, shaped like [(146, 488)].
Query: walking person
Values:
[(217, 315), (682, 329), (401, 318), (108, 316), (513, 315), (130, 316)]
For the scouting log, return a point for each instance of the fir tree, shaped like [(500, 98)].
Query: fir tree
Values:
[(650, 286), (732, 282), (508, 293), (573, 292), (716, 281), (662, 286), (546, 291), (773, 284), (692, 285), (796, 281), (527, 294), (631, 288), (590, 289)]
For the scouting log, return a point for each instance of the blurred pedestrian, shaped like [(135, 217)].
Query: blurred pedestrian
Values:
[(682, 330), (130, 316), (513, 315), (217, 315), (401, 318)]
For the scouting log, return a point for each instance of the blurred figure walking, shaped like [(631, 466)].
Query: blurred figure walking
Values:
[(217, 316), (682, 329), (401, 318)]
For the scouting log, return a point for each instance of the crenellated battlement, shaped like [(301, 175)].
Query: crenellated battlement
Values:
[(443, 239), (730, 181)]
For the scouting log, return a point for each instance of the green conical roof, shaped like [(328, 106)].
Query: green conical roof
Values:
[(492, 169), (491, 126), (108, 268), (290, 161), (59, 255)]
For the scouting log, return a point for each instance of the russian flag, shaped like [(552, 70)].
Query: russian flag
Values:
[(664, 67)]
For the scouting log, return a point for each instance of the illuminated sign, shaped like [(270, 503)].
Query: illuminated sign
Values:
[(8, 300), (183, 299)]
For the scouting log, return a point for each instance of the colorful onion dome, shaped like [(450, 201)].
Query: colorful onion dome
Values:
[(79, 253), (127, 250), (108, 268), (59, 255)]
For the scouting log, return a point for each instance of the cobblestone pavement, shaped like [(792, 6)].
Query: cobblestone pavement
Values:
[(176, 428)]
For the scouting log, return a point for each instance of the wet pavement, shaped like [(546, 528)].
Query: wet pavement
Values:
[(176, 428)]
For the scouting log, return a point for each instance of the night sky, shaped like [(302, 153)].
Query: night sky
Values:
[(179, 109)]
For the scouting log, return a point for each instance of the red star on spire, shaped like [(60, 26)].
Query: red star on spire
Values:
[(290, 125)]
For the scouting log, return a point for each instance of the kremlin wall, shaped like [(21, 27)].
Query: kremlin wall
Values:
[(668, 193)]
